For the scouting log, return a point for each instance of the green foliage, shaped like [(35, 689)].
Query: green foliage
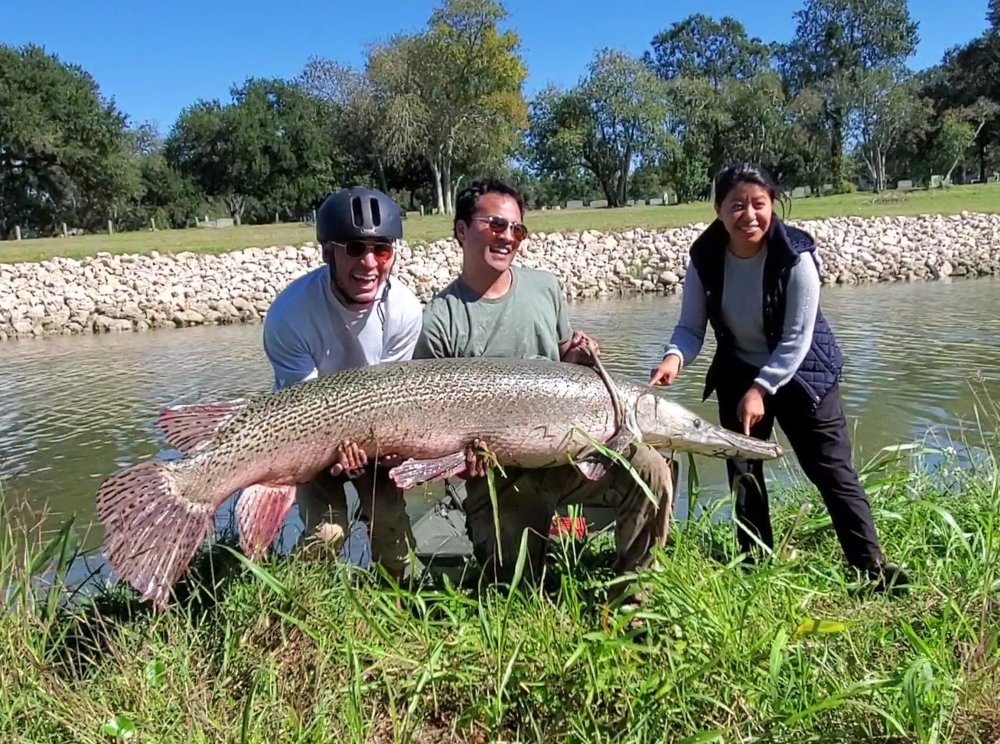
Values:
[(432, 109), (453, 92), (796, 648), (63, 155), (716, 51), (268, 151), (611, 119)]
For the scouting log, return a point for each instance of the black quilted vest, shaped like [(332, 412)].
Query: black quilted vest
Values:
[(823, 365)]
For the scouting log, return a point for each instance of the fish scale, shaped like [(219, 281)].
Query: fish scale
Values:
[(528, 413)]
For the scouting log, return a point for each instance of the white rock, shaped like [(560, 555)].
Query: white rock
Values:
[(106, 293)]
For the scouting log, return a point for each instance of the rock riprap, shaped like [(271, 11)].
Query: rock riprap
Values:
[(106, 293)]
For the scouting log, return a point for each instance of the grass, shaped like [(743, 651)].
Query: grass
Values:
[(296, 651), (973, 198)]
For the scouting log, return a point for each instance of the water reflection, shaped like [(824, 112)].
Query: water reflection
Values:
[(75, 409)]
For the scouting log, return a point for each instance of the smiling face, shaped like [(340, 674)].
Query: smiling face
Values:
[(490, 244), (360, 268), (746, 213)]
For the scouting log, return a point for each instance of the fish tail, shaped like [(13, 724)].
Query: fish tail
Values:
[(153, 528)]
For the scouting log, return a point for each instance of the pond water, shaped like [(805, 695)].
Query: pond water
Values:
[(75, 409)]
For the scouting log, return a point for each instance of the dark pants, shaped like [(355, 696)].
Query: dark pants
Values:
[(822, 445)]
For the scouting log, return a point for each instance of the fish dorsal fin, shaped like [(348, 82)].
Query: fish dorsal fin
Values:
[(188, 427)]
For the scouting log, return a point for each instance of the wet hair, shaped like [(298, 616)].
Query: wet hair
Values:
[(465, 202), (733, 175)]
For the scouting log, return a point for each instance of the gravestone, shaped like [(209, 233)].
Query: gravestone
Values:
[(598, 203), (905, 185), (826, 188), (656, 202), (936, 182), (798, 192), (574, 204)]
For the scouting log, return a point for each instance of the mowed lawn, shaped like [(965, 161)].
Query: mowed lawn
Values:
[(974, 198)]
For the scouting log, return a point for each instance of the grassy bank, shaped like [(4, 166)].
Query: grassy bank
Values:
[(792, 651), (975, 198)]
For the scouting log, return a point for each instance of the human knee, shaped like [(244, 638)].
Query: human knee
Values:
[(651, 467)]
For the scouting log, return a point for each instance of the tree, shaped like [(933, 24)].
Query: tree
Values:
[(360, 122), (453, 93), (970, 74), (612, 118), (63, 147), (700, 47), (887, 107), (267, 151), (836, 43)]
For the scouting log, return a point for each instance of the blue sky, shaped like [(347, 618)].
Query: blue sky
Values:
[(156, 57)]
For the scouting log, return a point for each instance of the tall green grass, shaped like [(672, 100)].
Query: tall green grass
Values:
[(795, 649)]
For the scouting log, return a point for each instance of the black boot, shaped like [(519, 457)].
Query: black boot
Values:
[(887, 577)]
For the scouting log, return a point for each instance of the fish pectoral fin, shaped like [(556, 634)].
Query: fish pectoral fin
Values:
[(595, 466), (414, 472), (186, 427), (260, 511)]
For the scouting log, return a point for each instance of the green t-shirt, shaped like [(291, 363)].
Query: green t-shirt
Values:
[(529, 322)]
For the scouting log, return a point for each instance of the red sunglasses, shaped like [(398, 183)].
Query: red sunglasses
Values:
[(357, 248)]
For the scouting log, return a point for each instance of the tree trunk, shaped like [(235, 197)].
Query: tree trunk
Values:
[(381, 175), (436, 174), (446, 185), (836, 149), (622, 190)]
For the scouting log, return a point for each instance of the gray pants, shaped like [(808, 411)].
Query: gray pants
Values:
[(528, 499), (323, 508)]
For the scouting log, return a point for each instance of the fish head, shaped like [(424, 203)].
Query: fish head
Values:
[(665, 424)]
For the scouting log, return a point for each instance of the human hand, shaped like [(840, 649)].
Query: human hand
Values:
[(389, 461), (350, 459), (667, 372), (476, 461), (581, 350), (751, 408)]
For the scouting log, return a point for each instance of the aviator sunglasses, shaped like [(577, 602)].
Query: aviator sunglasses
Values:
[(500, 224), (356, 249)]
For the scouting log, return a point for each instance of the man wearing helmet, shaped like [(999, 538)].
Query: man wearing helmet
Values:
[(346, 314)]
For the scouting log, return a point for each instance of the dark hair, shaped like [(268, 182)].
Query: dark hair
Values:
[(465, 202), (733, 175)]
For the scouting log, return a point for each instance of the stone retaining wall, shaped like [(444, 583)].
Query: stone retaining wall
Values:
[(130, 292)]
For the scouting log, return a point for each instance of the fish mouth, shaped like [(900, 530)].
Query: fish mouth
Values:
[(715, 442)]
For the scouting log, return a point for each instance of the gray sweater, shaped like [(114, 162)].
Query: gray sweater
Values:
[(742, 311)]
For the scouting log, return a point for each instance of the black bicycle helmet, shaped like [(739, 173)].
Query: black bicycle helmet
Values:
[(358, 213)]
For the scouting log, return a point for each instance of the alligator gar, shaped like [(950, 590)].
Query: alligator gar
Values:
[(527, 413)]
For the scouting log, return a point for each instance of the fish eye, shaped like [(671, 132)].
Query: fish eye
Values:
[(696, 423)]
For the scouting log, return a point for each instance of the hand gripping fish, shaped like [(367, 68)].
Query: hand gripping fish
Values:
[(529, 414)]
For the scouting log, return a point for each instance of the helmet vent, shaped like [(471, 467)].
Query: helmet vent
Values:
[(359, 218), (376, 213)]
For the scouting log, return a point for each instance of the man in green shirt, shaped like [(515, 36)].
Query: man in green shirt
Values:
[(493, 309)]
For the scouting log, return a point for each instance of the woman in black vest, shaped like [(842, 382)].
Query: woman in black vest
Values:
[(756, 281)]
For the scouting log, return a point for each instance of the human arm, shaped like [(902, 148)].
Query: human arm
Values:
[(797, 333), (288, 353), (689, 333), (575, 347)]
